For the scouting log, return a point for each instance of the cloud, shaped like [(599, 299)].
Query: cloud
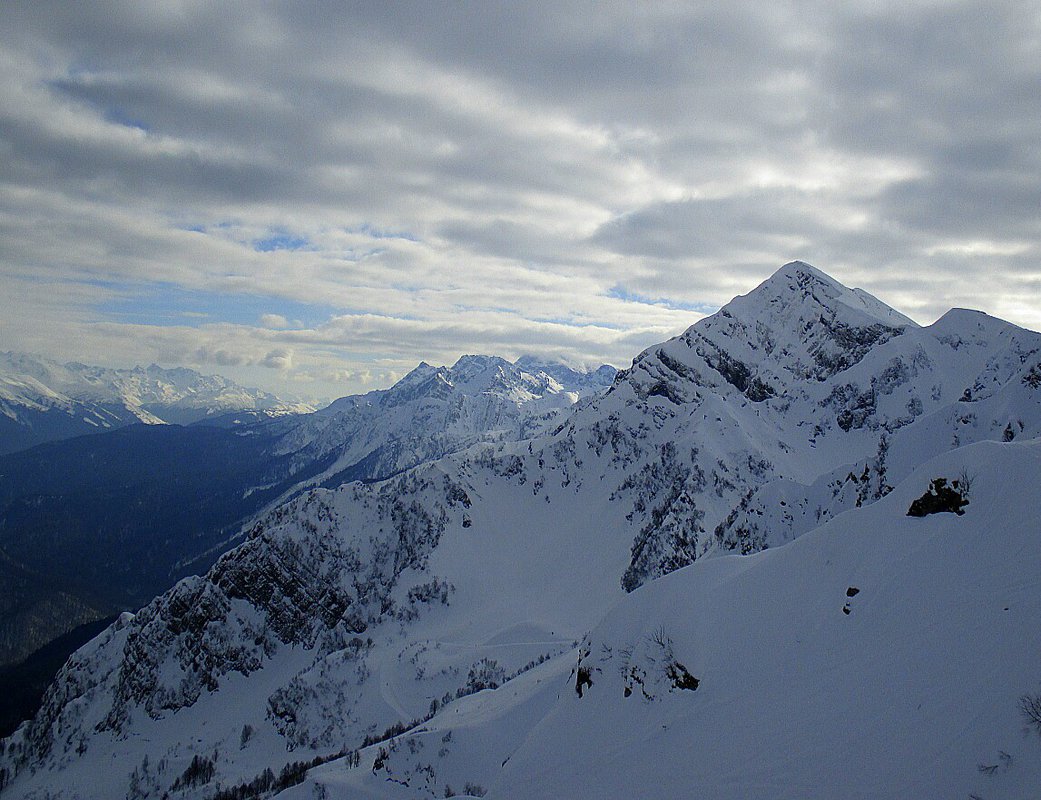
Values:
[(221, 358), (273, 321), (415, 181), (279, 358)]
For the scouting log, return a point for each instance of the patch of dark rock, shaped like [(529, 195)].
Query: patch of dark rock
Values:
[(940, 498), (583, 681), (680, 677)]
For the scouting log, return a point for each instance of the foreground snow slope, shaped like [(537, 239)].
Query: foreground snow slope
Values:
[(913, 693), (905, 696)]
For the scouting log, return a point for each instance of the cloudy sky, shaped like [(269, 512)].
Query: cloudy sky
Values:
[(314, 197)]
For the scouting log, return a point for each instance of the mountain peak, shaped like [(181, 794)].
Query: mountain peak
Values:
[(802, 268), (420, 372), (798, 284), (798, 324)]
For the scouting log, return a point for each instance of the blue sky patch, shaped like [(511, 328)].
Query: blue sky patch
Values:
[(120, 117), (621, 293), (376, 233), (573, 323), (167, 305), (281, 241)]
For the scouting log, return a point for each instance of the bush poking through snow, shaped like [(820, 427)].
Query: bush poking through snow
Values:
[(941, 498), (651, 666), (380, 761), (1030, 708)]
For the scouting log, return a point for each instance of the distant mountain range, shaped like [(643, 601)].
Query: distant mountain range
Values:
[(43, 401), (701, 581)]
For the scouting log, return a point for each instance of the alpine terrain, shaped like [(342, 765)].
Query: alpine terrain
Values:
[(43, 401), (73, 509), (793, 552), (96, 524)]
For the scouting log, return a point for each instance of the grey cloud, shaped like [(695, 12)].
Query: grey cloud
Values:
[(711, 228), (956, 90), (221, 358), (927, 76), (522, 242), (981, 204), (280, 358), (533, 150)]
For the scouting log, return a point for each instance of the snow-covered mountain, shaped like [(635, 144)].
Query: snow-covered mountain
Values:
[(42, 400), (362, 625), (434, 411)]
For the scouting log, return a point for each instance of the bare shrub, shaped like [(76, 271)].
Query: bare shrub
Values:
[(1030, 708)]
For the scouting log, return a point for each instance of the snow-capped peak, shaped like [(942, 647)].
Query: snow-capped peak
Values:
[(422, 372), (801, 285), (799, 324)]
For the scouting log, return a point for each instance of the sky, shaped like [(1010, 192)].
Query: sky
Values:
[(313, 197)]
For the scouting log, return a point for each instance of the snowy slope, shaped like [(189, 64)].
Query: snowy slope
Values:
[(42, 400), (349, 611), (915, 692)]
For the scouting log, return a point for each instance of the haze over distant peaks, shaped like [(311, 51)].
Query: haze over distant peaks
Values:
[(42, 400)]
